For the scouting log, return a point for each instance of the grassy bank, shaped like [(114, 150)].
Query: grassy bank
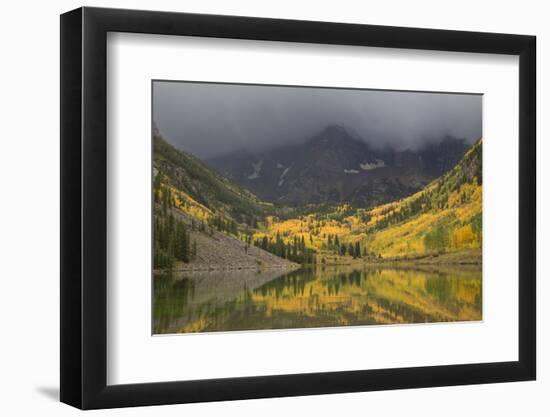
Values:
[(465, 257)]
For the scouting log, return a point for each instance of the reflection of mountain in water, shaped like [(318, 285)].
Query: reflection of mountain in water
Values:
[(215, 287), (333, 296)]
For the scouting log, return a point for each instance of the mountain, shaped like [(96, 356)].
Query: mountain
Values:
[(441, 223), (335, 167)]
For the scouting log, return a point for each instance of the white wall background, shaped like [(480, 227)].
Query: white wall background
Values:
[(29, 225)]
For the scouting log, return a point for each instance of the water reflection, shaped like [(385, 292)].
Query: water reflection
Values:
[(321, 297)]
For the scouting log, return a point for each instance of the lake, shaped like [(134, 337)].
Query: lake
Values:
[(315, 297)]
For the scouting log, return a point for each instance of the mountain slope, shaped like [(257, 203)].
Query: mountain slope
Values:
[(223, 251), (200, 190), (445, 216), (201, 220)]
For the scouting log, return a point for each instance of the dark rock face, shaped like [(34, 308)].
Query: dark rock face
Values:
[(334, 167)]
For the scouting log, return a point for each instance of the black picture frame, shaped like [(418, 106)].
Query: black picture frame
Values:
[(84, 207)]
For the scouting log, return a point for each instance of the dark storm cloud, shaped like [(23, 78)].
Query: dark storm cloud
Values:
[(212, 119)]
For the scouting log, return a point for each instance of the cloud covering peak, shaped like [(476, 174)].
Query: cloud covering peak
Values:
[(209, 119)]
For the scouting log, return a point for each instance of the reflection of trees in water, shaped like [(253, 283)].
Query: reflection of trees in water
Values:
[(321, 297), (183, 297), (170, 299), (440, 287), (295, 282)]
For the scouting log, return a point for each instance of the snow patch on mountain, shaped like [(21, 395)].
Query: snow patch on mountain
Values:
[(282, 177), (351, 171), (367, 166), (257, 167)]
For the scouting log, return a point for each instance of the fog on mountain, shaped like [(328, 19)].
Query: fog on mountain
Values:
[(213, 119)]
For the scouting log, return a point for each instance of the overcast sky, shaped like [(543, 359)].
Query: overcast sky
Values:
[(208, 120)]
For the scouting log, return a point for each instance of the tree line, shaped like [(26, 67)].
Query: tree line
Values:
[(171, 237), (172, 241), (352, 249), (223, 225), (294, 250)]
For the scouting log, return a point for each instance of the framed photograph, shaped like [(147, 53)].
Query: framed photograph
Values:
[(257, 208)]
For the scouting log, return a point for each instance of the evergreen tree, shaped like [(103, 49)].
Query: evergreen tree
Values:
[(351, 250), (342, 250), (233, 227), (156, 187)]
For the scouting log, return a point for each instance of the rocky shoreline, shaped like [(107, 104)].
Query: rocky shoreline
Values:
[(232, 268)]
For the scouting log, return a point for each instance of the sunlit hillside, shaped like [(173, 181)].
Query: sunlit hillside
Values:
[(200, 190), (446, 216)]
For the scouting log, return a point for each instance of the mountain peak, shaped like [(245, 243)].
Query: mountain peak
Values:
[(332, 133)]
